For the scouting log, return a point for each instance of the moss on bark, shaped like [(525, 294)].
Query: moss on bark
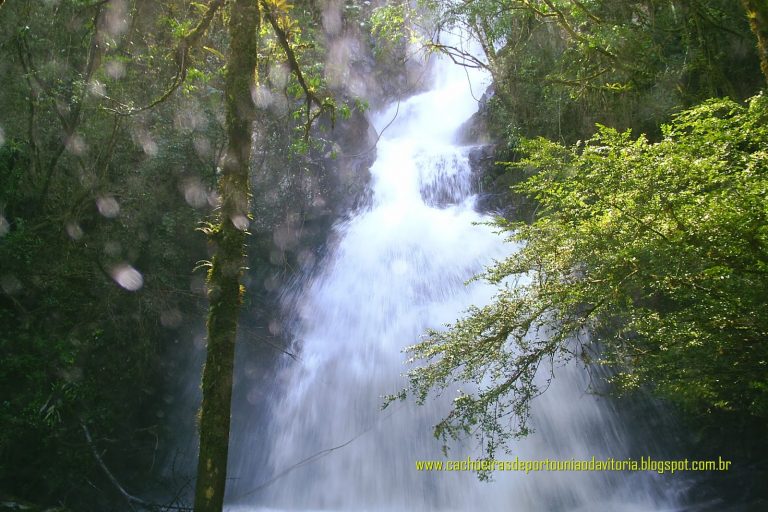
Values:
[(757, 13), (229, 237)]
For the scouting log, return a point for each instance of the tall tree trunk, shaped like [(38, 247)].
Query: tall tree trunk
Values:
[(229, 237), (757, 12)]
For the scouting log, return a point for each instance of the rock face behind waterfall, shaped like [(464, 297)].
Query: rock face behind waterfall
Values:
[(492, 180)]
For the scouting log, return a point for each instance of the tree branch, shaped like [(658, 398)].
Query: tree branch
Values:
[(128, 496), (584, 8), (460, 57), (293, 63), (563, 22), (71, 121), (182, 59)]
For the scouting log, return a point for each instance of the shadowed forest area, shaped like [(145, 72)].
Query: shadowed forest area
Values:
[(169, 170)]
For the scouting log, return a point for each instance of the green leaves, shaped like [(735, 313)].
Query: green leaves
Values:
[(658, 250), (388, 22), (558, 66)]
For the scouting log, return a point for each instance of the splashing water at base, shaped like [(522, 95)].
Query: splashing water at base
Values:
[(398, 268)]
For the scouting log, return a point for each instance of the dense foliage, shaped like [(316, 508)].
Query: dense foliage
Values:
[(651, 258), (560, 66), (99, 212), (111, 132)]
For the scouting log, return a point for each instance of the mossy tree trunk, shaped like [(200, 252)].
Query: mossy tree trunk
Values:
[(757, 12), (229, 238)]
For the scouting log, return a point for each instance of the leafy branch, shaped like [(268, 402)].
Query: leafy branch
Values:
[(187, 43), (309, 93)]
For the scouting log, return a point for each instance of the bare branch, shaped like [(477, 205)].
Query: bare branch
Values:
[(460, 57), (312, 458), (128, 496)]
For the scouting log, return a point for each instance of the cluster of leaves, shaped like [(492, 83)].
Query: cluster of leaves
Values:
[(658, 252), (292, 64), (392, 27), (559, 66)]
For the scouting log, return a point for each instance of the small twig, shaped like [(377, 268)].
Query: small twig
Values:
[(391, 121), (586, 11), (459, 56), (313, 458), (131, 498), (275, 346), (128, 496)]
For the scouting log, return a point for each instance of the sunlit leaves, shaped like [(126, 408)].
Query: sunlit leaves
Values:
[(394, 26), (658, 250)]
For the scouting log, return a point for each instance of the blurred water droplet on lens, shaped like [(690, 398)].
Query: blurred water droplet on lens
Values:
[(202, 146), (76, 145), (271, 283), (278, 75), (116, 17), (240, 222), (97, 88), (171, 318), (149, 146), (112, 248), (252, 370), (332, 19), (10, 284), (189, 118), (254, 395), (194, 194), (128, 277), (5, 227), (213, 199), (306, 258), (115, 69), (262, 97), (108, 206), (277, 257), (197, 285), (74, 231), (285, 237)]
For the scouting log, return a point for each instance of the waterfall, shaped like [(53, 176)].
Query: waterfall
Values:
[(396, 268)]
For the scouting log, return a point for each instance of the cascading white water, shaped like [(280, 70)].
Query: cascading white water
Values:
[(397, 268)]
